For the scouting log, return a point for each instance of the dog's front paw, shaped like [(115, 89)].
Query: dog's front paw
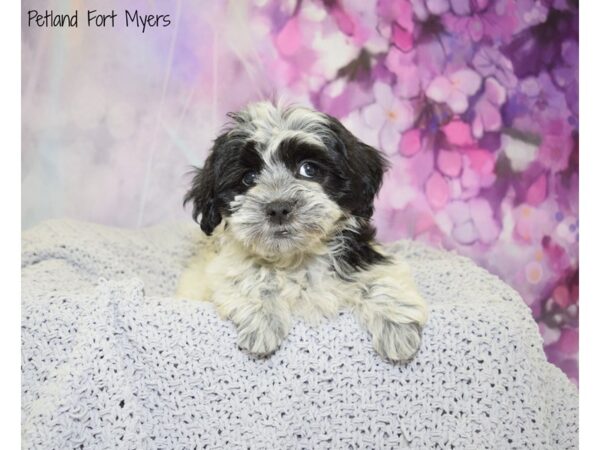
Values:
[(396, 341), (261, 340)]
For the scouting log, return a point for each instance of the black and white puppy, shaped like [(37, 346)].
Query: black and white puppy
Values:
[(285, 199)]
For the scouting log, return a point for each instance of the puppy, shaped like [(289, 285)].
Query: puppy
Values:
[(285, 198)]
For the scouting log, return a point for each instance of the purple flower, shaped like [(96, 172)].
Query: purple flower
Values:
[(539, 47), (454, 89), (566, 75), (489, 62), (487, 108), (477, 19), (390, 115)]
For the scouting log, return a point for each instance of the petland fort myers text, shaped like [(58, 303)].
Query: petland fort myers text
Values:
[(96, 19)]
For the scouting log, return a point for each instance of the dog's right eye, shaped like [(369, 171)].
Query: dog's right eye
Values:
[(249, 178), (308, 170)]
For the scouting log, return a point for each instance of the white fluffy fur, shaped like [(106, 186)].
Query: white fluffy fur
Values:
[(261, 282)]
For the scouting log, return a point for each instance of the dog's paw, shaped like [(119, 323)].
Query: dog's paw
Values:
[(261, 341), (396, 341)]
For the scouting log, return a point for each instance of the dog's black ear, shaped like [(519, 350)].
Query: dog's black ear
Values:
[(365, 166), (203, 197)]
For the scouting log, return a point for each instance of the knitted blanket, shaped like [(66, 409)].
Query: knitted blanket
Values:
[(111, 360)]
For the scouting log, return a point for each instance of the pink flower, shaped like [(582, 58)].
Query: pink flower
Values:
[(455, 89), (458, 133), (340, 97), (344, 21), (474, 171), (487, 108), (536, 193), (473, 221), (564, 297), (410, 143), (555, 255), (358, 20), (289, 40), (437, 190), (401, 37), (408, 79), (569, 341), (481, 161), (423, 8), (483, 219), (397, 22), (465, 7), (431, 59), (390, 115), (399, 11), (534, 272), (449, 162), (532, 224), (420, 166), (396, 193), (557, 142)]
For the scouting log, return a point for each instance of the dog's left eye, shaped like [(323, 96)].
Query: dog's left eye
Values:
[(249, 178), (308, 170)]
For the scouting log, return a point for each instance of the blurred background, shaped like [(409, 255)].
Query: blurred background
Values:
[(475, 102)]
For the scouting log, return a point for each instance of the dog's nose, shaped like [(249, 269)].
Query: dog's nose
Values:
[(279, 211)]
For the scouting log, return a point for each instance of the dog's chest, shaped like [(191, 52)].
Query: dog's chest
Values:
[(311, 291)]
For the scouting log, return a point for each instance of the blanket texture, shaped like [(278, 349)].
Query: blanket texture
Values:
[(111, 360)]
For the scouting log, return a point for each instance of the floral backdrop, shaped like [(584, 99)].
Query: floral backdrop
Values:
[(475, 102)]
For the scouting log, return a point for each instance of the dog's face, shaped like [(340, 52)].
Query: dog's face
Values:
[(285, 180)]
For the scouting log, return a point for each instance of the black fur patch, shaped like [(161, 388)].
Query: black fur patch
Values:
[(350, 171), (217, 183), (358, 252), (363, 170), (293, 152)]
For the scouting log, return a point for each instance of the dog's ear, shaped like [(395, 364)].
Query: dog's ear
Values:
[(365, 166), (203, 197)]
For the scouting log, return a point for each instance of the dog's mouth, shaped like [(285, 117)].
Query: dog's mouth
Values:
[(282, 233)]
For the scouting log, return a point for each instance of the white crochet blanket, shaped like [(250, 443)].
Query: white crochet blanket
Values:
[(112, 360)]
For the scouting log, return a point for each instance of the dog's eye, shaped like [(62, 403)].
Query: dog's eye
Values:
[(249, 178), (308, 170)]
